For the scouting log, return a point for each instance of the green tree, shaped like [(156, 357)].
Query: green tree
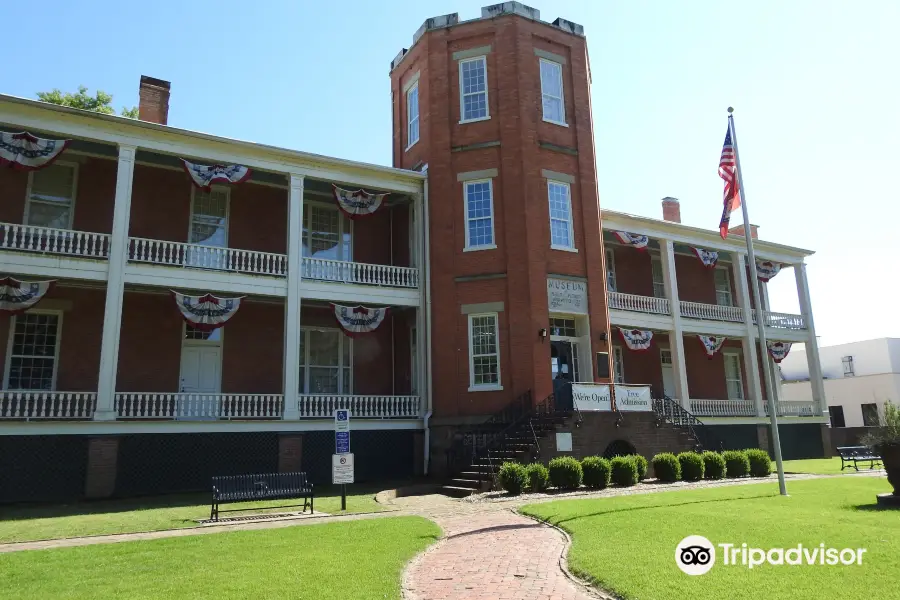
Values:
[(100, 102)]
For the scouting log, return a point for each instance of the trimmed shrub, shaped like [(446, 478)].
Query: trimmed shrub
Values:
[(623, 471), (565, 473), (691, 466), (596, 472), (713, 465), (513, 478), (760, 462), (538, 477), (736, 463), (666, 467), (641, 463)]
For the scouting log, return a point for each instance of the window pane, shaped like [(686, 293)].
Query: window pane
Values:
[(478, 204), (553, 109), (323, 380), (53, 184), (323, 348), (33, 352), (550, 78), (483, 335), (412, 111), (208, 223), (347, 387), (474, 89), (42, 214), (560, 215), (485, 370), (190, 333), (320, 238)]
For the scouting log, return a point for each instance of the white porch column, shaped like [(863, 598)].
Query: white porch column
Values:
[(421, 372), (292, 299), (748, 340), (812, 344), (115, 287), (676, 337)]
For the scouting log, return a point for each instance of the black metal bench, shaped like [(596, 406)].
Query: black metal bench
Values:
[(851, 455), (253, 488)]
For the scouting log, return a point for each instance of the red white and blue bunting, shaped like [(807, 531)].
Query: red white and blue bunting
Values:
[(632, 239), (204, 176), (356, 320), (711, 344), (709, 258), (359, 203), (206, 312), (18, 296), (766, 269), (638, 340), (25, 152), (778, 350)]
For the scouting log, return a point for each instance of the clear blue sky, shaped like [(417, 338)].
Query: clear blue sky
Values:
[(814, 85)]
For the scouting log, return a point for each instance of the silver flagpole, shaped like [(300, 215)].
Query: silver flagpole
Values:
[(771, 392)]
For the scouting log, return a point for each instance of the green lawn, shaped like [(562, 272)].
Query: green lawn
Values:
[(334, 561), (19, 524), (627, 544), (820, 466)]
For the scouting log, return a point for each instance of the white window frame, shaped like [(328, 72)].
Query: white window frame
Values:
[(562, 101), (659, 284), (727, 272), (217, 188), (611, 271), (462, 95), (345, 226), (9, 345), (410, 142), (618, 374), (30, 184), (469, 247), (304, 361), (194, 342), (570, 247), (847, 361), (491, 386), (740, 376)]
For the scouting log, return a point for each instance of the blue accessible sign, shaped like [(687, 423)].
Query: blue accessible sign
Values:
[(341, 431)]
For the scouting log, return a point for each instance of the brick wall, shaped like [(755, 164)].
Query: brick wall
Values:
[(252, 350), (13, 187), (150, 344)]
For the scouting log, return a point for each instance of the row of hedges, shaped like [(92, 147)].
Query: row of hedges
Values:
[(691, 466)]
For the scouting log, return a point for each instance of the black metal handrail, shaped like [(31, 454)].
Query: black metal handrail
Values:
[(672, 412)]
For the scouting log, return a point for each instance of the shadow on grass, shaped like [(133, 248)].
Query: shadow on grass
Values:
[(874, 507)]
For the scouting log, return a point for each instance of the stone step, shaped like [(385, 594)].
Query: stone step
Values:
[(474, 474), (474, 484), (456, 492)]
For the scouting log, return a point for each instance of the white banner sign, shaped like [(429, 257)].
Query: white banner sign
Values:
[(591, 397), (341, 468), (567, 296), (633, 398)]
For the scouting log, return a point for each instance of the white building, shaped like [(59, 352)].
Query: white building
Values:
[(859, 378)]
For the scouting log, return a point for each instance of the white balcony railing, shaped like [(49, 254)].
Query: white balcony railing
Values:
[(178, 254), (712, 312), (34, 405), (645, 304), (29, 238), (323, 269), (324, 405), (794, 409), (198, 406), (722, 408), (782, 320)]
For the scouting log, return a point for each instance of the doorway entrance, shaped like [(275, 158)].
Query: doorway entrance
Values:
[(201, 363), (668, 374)]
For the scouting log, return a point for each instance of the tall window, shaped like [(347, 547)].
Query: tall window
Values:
[(610, 271), (479, 214), (847, 362), (473, 96), (552, 92), (33, 351), (561, 232), (659, 283), (733, 381), (325, 362), (837, 416), (618, 365), (870, 415), (209, 218), (484, 352), (51, 196), (412, 115), (326, 233), (723, 286)]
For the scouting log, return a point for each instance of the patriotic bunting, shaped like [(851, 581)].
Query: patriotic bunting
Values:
[(731, 196), (632, 239), (355, 320), (709, 258), (25, 152), (207, 312), (778, 350), (637, 339), (711, 344), (18, 296), (204, 176), (766, 270), (357, 204)]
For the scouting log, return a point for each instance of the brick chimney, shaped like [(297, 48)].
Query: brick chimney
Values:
[(739, 230), (153, 105), (671, 210)]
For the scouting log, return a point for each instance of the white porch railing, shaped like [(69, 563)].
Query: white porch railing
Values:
[(34, 405), (722, 408), (782, 320), (794, 409), (324, 269), (324, 405), (198, 406), (178, 254), (712, 312), (29, 238), (645, 304)]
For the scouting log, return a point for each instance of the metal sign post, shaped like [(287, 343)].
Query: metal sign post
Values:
[(342, 460)]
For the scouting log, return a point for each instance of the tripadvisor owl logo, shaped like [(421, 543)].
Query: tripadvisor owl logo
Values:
[(695, 555)]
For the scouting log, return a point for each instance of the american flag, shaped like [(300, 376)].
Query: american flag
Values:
[(731, 198)]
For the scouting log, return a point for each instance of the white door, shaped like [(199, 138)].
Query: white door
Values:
[(201, 375), (668, 375)]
